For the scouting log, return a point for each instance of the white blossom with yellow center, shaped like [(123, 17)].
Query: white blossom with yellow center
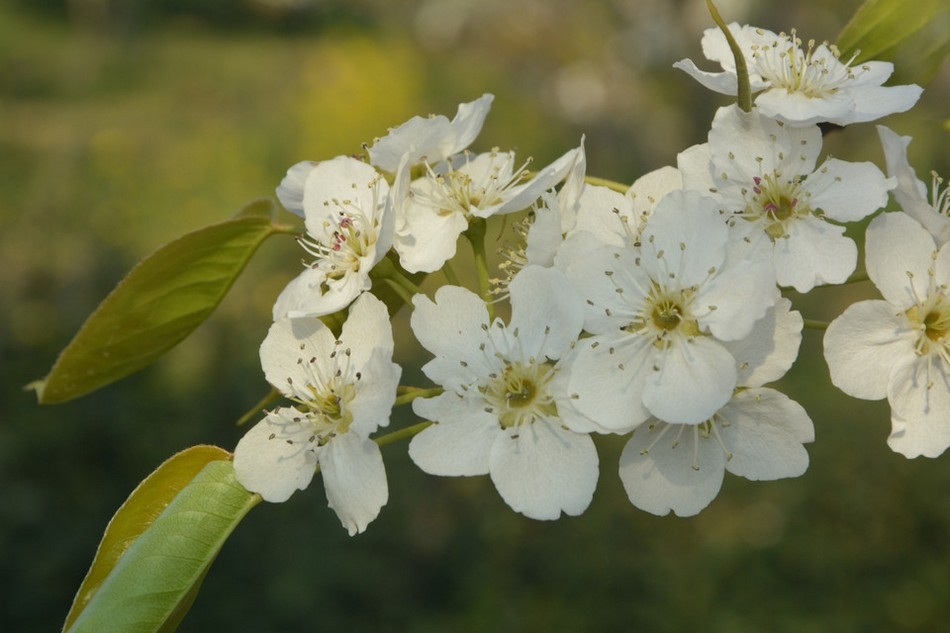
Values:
[(764, 175), (343, 390), (899, 347), (504, 411), (349, 219), (802, 86), (660, 311), (758, 434)]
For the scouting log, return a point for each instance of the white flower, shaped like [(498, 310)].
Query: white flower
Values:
[(349, 220), (911, 193), (504, 411), (764, 172), (435, 209), (343, 389), (430, 139), (758, 434), (659, 313), (802, 87), (899, 348)]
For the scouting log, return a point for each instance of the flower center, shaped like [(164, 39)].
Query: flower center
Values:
[(520, 394), (775, 203), (815, 72), (470, 187), (931, 318), (666, 311), (325, 398), (349, 238)]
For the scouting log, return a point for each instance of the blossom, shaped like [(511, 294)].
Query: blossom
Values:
[(758, 434), (504, 411), (430, 139), (764, 173), (436, 208), (349, 221), (899, 347), (802, 87), (343, 389), (659, 312), (911, 193)]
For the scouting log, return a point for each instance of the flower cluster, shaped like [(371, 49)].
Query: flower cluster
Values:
[(654, 311)]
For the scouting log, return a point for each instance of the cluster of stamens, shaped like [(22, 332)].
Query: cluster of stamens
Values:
[(785, 65)]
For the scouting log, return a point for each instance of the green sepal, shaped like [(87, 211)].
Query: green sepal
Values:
[(146, 582), (159, 303)]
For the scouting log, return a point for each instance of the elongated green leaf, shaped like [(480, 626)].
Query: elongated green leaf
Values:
[(914, 34), (155, 581), (162, 300), (139, 511)]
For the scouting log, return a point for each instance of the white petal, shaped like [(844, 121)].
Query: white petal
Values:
[(847, 192), (910, 193), (687, 236), (606, 383), (695, 164), (695, 378), (743, 145), (340, 184), (433, 138), (666, 467), (813, 253), (722, 82), (798, 108), (459, 443), (275, 458), (862, 346), (546, 312), (600, 213), (428, 239), (543, 470), (311, 295), (898, 252), (764, 434), (291, 188), (919, 395), (451, 328), (367, 329), (871, 103), (288, 344), (355, 480), (771, 347)]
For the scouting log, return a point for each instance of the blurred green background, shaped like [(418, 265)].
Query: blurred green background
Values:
[(125, 123)]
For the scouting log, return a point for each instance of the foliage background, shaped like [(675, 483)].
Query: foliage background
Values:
[(124, 124)]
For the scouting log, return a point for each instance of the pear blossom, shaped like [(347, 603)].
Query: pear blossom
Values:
[(899, 347), (764, 174), (430, 139), (434, 209), (802, 86), (911, 193), (349, 220), (659, 312), (343, 390), (759, 434), (504, 411)]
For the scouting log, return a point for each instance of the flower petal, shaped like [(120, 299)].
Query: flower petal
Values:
[(543, 470), (355, 480), (275, 457), (459, 443), (764, 434), (863, 344), (667, 467), (898, 252)]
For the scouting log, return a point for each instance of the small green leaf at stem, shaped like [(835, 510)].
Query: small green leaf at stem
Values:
[(154, 582), (159, 303)]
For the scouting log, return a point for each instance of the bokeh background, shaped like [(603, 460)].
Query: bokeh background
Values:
[(124, 123)]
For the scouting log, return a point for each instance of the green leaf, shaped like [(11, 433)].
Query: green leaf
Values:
[(162, 300), (914, 34), (139, 511), (155, 581)]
